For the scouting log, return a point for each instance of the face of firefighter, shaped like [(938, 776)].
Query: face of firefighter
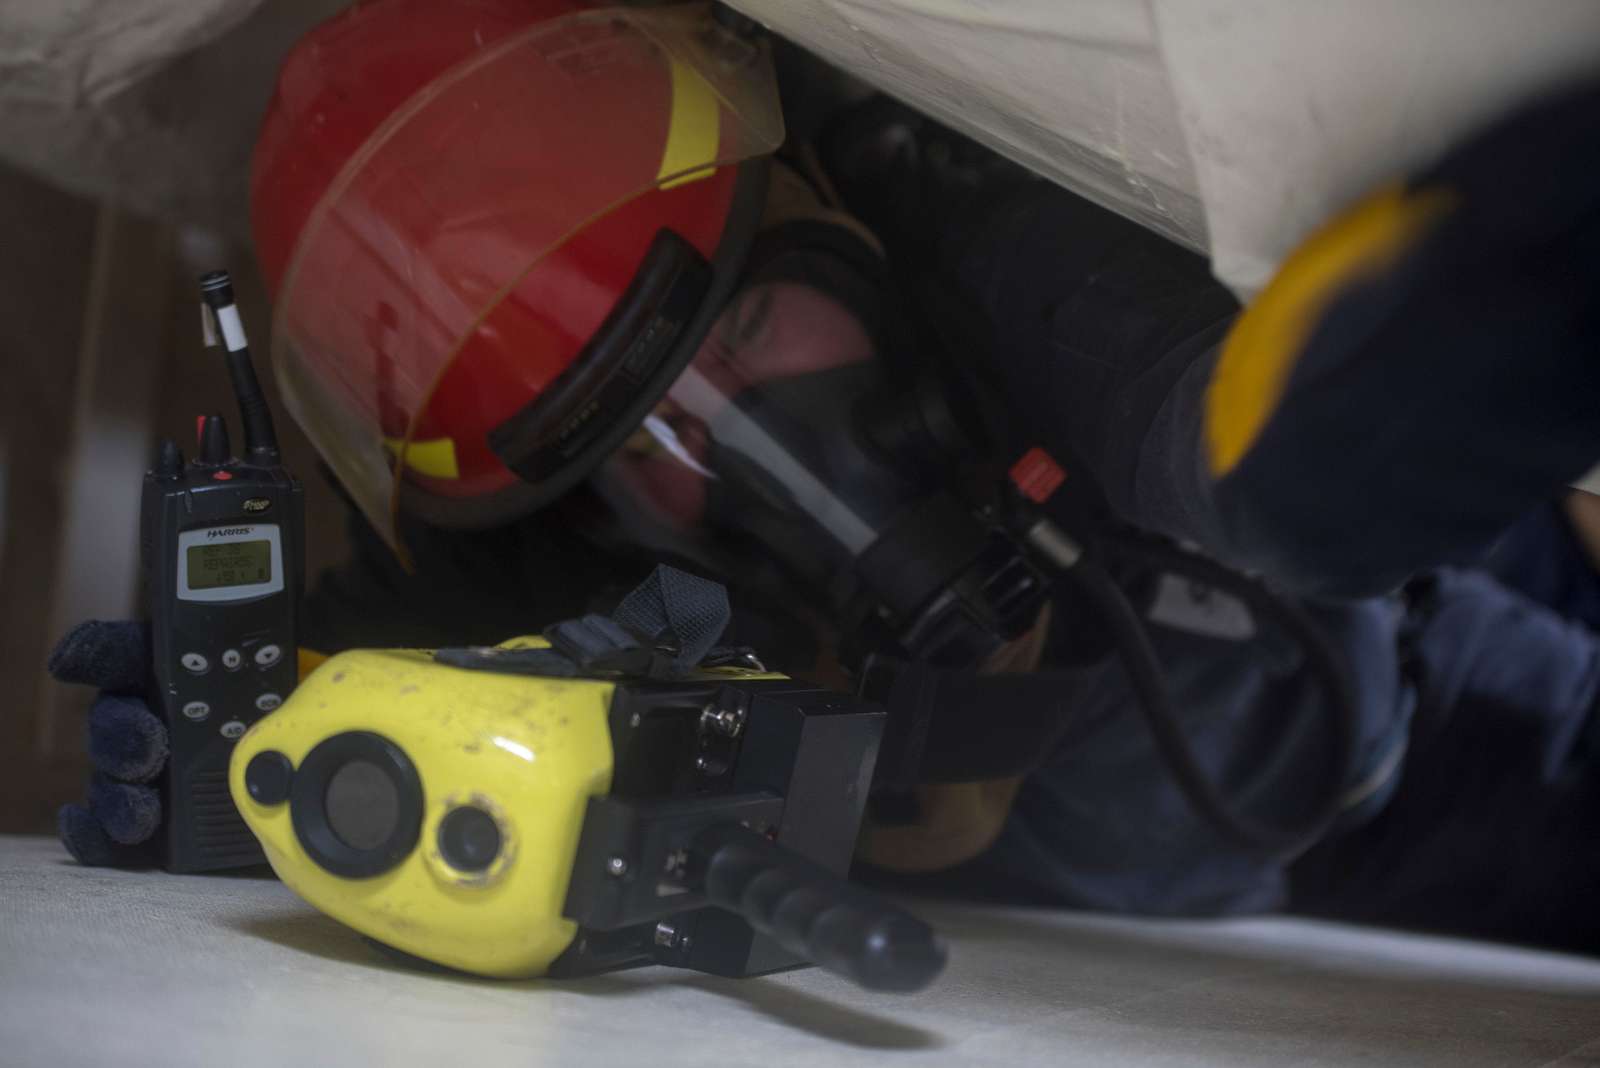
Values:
[(754, 406)]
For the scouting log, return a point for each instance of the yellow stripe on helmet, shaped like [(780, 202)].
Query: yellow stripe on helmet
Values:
[(435, 458), (692, 130)]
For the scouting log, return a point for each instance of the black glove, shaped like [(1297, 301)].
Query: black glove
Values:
[(117, 825)]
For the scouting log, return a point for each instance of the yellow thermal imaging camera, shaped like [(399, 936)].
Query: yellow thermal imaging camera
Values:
[(567, 805)]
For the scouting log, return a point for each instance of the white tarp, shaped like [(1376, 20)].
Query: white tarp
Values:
[(70, 54), (1234, 126), (1078, 90), (151, 103), (1292, 108)]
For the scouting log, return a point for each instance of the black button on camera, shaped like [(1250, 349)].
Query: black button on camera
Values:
[(268, 776), (469, 839)]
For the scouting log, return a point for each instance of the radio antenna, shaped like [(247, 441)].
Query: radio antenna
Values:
[(220, 316)]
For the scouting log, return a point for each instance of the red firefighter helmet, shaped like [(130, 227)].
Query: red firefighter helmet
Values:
[(495, 231)]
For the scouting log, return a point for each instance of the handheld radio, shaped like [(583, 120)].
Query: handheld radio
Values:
[(222, 539)]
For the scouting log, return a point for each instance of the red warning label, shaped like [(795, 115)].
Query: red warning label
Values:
[(1037, 476)]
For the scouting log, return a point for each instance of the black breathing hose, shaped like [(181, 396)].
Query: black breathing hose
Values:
[(1155, 703)]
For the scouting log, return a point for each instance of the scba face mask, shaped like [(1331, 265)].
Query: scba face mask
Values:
[(758, 434), (792, 445)]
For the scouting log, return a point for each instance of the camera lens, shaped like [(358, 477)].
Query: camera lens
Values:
[(356, 804), (469, 838), (362, 805)]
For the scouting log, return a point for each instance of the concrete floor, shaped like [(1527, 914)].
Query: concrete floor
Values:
[(102, 967)]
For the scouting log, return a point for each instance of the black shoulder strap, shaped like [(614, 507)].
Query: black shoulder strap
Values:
[(949, 726), (942, 725), (667, 626), (678, 609)]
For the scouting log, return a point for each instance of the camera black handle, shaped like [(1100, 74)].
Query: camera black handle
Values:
[(816, 914)]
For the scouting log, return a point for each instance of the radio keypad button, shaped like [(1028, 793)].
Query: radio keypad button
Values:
[(231, 659), (195, 663), (268, 701), (196, 710), (268, 655)]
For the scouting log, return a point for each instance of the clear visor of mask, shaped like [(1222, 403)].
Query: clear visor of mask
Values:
[(760, 436)]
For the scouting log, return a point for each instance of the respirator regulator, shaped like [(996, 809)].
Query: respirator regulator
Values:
[(969, 563)]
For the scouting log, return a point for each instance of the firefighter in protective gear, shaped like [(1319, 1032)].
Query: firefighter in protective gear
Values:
[(467, 329)]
